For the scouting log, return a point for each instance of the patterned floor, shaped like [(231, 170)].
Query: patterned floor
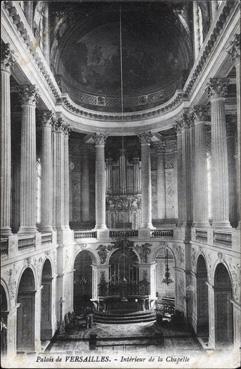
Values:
[(126, 337)]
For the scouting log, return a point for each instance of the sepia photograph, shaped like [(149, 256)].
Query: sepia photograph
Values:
[(120, 184)]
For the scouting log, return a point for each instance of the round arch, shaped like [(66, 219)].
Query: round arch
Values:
[(222, 306), (46, 301), (26, 311), (202, 298), (165, 283), (35, 276), (4, 318), (83, 280)]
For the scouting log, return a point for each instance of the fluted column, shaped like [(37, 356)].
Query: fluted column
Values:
[(59, 173), (5, 203), (100, 182), (136, 169), (145, 139), (161, 181), (109, 175), (179, 174), (220, 192), (234, 52), (46, 172), (28, 160), (200, 192), (85, 186), (66, 131)]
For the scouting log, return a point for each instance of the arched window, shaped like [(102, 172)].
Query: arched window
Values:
[(38, 191)]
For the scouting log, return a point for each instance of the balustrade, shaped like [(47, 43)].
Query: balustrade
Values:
[(222, 238), (27, 241), (201, 235), (85, 234), (46, 238), (167, 233), (4, 246)]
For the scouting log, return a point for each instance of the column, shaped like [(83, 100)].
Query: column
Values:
[(145, 139), (234, 52), (211, 315), (161, 180), (109, 175), (46, 172), (136, 169), (66, 131), (220, 192), (85, 186), (5, 203), (179, 173), (59, 173), (28, 160), (187, 166), (100, 182), (200, 192)]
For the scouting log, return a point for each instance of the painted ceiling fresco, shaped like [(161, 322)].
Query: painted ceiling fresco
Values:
[(152, 58)]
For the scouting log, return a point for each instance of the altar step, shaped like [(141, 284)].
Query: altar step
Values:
[(117, 317)]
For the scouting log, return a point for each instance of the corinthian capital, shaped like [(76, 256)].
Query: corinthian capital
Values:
[(7, 59), (234, 47), (218, 87), (99, 139), (200, 113), (145, 138), (28, 94), (45, 118)]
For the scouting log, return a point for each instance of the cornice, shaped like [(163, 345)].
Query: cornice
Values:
[(19, 23)]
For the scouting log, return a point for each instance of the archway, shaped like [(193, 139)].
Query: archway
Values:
[(223, 306), (46, 302), (202, 299), (165, 283), (4, 320), (82, 281), (26, 312)]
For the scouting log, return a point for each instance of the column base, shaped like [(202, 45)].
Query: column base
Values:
[(221, 224), (46, 229), (27, 230), (5, 232), (201, 225)]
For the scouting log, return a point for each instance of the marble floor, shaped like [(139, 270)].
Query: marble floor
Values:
[(127, 338)]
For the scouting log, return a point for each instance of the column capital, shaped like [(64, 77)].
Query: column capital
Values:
[(234, 48), (99, 139), (59, 125), (45, 118), (145, 138), (218, 87), (7, 59), (200, 113), (185, 122), (28, 94)]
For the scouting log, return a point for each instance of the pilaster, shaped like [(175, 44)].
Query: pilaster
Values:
[(211, 316), (200, 192), (161, 180), (66, 176), (220, 193), (145, 139), (46, 172), (28, 160), (5, 137)]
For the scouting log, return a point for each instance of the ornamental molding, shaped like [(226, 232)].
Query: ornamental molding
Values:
[(15, 15)]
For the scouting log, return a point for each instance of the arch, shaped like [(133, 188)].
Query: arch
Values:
[(163, 247), (35, 275), (4, 319), (222, 306), (46, 301), (82, 280), (113, 251), (202, 298), (94, 257), (123, 272), (5, 288), (165, 257), (26, 311)]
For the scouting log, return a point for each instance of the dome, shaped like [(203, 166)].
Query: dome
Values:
[(154, 51)]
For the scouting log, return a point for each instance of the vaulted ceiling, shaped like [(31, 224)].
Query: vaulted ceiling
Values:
[(86, 52)]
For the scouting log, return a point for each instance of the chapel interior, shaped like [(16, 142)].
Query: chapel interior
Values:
[(120, 174)]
